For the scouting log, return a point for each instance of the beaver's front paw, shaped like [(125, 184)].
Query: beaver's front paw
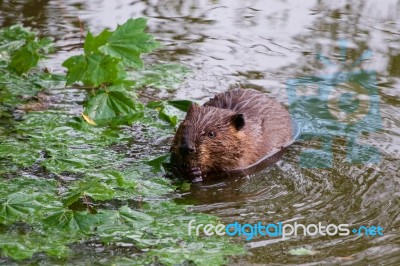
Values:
[(195, 174)]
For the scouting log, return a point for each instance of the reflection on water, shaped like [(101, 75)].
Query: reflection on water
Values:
[(263, 44)]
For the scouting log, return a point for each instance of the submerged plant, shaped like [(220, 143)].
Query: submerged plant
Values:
[(64, 183)]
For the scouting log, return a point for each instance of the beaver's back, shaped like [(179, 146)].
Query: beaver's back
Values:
[(268, 123)]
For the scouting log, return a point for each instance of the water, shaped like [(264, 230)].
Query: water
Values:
[(263, 45)]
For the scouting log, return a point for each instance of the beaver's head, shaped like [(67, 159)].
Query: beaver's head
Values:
[(208, 140)]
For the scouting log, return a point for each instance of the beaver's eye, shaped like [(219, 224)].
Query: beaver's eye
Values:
[(211, 134)]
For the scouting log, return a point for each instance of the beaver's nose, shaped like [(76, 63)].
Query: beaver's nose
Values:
[(187, 149)]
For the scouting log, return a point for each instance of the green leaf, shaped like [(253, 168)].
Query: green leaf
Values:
[(61, 164), (124, 222), (164, 112), (25, 58), (123, 182), (301, 252), (185, 186), (92, 43), (15, 32), (124, 216), (11, 46), (157, 162), (93, 70), (92, 188), (73, 197), (21, 245), (182, 105), (76, 66), (168, 115), (17, 206), (72, 221), (23, 48), (133, 217), (100, 69), (155, 105), (100, 192), (17, 251), (161, 76), (108, 105), (129, 41), (45, 46)]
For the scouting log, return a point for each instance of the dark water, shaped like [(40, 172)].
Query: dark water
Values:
[(270, 46)]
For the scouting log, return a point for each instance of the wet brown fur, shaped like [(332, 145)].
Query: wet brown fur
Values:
[(267, 126)]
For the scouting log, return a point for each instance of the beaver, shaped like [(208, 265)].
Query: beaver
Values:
[(231, 131)]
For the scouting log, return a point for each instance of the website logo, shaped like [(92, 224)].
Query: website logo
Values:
[(343, 102), (281, 230)]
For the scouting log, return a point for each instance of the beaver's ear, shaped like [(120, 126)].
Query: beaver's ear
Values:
[(192, 107), (238, 121)]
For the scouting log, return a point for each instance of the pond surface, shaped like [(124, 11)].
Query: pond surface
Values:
[(271, 46)]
